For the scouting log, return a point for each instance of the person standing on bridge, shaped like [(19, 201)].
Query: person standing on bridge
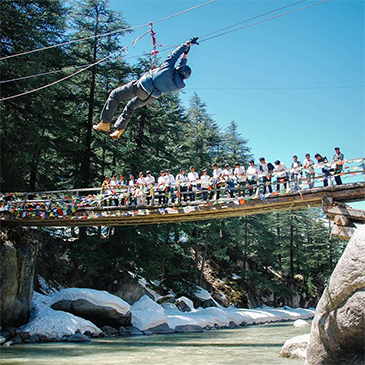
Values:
[(309, 170), (338, 158), (146, 90), (325, 169)]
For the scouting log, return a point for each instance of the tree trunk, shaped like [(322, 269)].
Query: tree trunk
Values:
[(89, 123), (291, 249)]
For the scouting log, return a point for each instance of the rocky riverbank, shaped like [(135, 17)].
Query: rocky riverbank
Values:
[(53, 317)]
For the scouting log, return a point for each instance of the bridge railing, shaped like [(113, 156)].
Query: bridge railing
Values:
[(71, 203)]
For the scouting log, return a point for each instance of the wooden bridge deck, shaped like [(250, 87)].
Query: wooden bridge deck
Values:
[(128, 216)]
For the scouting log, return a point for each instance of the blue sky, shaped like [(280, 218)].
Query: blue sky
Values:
[(293, 84)]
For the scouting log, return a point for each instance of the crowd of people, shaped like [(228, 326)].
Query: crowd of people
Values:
[(234, 182)]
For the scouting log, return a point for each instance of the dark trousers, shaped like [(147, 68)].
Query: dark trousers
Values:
[(183, 193), (192, 194), (250, 187), (216, 189), (267, 183), (137, 98), (282, 180)]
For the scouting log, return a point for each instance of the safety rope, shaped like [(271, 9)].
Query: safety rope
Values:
[(108, 33)]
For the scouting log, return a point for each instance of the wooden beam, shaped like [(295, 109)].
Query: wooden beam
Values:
[(338, 209)]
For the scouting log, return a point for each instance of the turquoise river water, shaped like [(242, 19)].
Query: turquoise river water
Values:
[(251, 345)]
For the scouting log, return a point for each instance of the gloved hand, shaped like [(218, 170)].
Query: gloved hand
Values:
[(194, 40)]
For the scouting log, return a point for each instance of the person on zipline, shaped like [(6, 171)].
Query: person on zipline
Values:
[(146, 90)]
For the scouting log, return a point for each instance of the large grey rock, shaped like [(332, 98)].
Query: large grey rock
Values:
[(134, 331), (78, 337), (295, 348), (2, 340), (161, 329), (337, 334), (189, 328), (130, 290), (18, 253), (110, 331), (99, 315)]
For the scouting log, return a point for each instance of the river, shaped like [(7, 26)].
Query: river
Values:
[(251, 345)]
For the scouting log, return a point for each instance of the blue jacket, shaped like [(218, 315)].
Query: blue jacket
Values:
[(165, 78)]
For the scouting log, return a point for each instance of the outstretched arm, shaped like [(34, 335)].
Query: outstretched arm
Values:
[(174, 56)]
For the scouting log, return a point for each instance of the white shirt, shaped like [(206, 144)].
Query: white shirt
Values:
[(141, 180), (280, 170), (227, 173), (170, 179), (308, 164), (239, 171), (181, 178), (193, 176), (205, 179), (252, 171), (113, 183), (217, 173), (161, 180), (149, 180)]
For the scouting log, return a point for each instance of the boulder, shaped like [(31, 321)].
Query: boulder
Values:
[(161, 329), (134, 331), (5, 334), (169, 298), (184, 304), (189, 328), (34, 338), (18, 251), (337, 333), (300, 323), (78, 337), (131, 290), (24, 335), (8, 344), (2, 340), (98, 314), (147, 314), (295, 348), (124, 332), (110, 331)]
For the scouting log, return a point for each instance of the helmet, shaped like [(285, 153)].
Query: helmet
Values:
[(184, 71)]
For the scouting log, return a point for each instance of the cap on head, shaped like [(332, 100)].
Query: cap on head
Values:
[(317, 155), (162, 171), (277, 162), (237, 164), (252, 161), (184, 71), (192, 167), (148, 172), (337, 148), (262, 158)]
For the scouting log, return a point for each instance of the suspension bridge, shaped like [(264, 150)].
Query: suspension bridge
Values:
[(92, 207)]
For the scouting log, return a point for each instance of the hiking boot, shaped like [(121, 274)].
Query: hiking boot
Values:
[(117, 133), (103, 127)]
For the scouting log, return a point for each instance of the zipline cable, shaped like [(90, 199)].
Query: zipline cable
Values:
[(264, 20), (73, 74), (253, 18), (108, 33)]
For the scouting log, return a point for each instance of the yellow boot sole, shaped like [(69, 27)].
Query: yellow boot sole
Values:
[(117, 133)]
